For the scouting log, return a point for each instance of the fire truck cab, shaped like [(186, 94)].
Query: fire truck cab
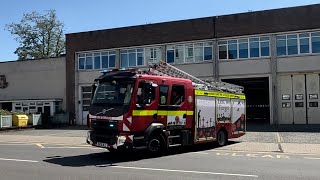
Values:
[(135, 110)]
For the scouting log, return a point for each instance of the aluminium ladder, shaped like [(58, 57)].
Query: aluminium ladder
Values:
[(165, 69)]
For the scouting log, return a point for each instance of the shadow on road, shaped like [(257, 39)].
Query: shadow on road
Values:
[(104, 159)]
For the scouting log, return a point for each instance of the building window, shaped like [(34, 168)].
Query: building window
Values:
[(254, 47), (281, 45), (304, 40), (244, 48), (132, 58), (82, 59), (189, 53), (294, 44), (315, 41), (153, 55), (223, 50), (97, 60), (208, 52), (232, 49), (89, 62), (265, 46)]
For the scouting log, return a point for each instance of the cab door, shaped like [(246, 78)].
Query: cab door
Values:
[(177, 108)]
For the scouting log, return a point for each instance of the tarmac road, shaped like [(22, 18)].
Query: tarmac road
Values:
[(56, 162)]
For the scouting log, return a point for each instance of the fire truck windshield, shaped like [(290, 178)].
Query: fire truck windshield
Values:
[(117, 92)]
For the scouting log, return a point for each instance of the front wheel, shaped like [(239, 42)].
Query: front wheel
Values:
[(156, 144), (222, 138)]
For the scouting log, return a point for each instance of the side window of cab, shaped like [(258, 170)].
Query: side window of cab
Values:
[(177, 95), (146, 93), (163, 94)]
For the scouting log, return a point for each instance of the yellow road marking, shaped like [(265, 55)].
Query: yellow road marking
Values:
[(40, 145)]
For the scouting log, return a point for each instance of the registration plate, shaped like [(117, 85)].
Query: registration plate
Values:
[(102, 144)]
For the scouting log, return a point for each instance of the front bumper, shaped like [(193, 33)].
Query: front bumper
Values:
[(108, 141)]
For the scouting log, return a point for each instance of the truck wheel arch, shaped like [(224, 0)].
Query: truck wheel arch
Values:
[(155, 128)]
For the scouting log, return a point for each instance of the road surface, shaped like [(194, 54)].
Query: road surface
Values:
[(57, 162)]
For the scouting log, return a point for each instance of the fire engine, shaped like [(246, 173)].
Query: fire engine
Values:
[(162, 106)]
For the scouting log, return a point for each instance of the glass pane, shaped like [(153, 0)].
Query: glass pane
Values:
[(315, 34), (89, 63), (105, 62), (112, 53), (264, 46), (254, 39), (281, 48), (304, 45), (254, 49), (81, 63), (97, 62), (207, 53), (131, 51), (222, 42), (112, 61), (281, 37), (86, 95), (170, 56), (243, 50), (243, 41), (86, 89), (315, 44), (104, 54), (304, 35), (292, 36), (189, 53), (265, 38), (82, 55), (179, 55), (124, 60), (233, 51), (132, 59), (232, 41), (140, 59), (222, 52), (292, 46), (198, 52), (139, 50)]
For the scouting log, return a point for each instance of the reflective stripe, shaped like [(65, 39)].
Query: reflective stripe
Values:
[(144, 112), (160, 113), (219, 94)]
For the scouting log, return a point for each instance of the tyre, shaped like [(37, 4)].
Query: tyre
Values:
[(156, 144), (222, 138)]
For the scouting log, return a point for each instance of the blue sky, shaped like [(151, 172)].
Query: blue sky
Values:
[(80, 15)]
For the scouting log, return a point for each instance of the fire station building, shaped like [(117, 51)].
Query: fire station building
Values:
[(274, 54)]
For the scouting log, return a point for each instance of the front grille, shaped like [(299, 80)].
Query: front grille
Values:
[(103, 138), (104, 126)]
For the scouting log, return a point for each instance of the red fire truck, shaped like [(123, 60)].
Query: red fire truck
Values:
[(160, 107)]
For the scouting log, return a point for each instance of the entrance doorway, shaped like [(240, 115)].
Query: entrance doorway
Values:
[(257, 98)]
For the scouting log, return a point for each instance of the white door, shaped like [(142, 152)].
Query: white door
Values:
[(313, 109), (299, 100), (285, 99), (85, 103)]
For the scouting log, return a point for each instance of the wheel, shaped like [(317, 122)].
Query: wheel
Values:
[(222, 138), (156, 144)]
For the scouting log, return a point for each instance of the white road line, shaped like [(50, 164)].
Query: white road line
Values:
[(278, 137), (184, 171), (18, 160), (312, 158), (40, 145), (72, 147), (199, 153)]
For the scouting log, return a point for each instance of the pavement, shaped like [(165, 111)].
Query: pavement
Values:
[(61, 154)]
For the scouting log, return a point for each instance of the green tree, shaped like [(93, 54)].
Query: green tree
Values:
[(39, 35)]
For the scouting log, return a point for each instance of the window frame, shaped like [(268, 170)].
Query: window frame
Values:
[(136, 52), (93, 55)]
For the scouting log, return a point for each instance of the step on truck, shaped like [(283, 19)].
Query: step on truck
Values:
[(162, 106)]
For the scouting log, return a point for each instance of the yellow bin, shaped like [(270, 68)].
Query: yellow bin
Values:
[(20, 120)]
